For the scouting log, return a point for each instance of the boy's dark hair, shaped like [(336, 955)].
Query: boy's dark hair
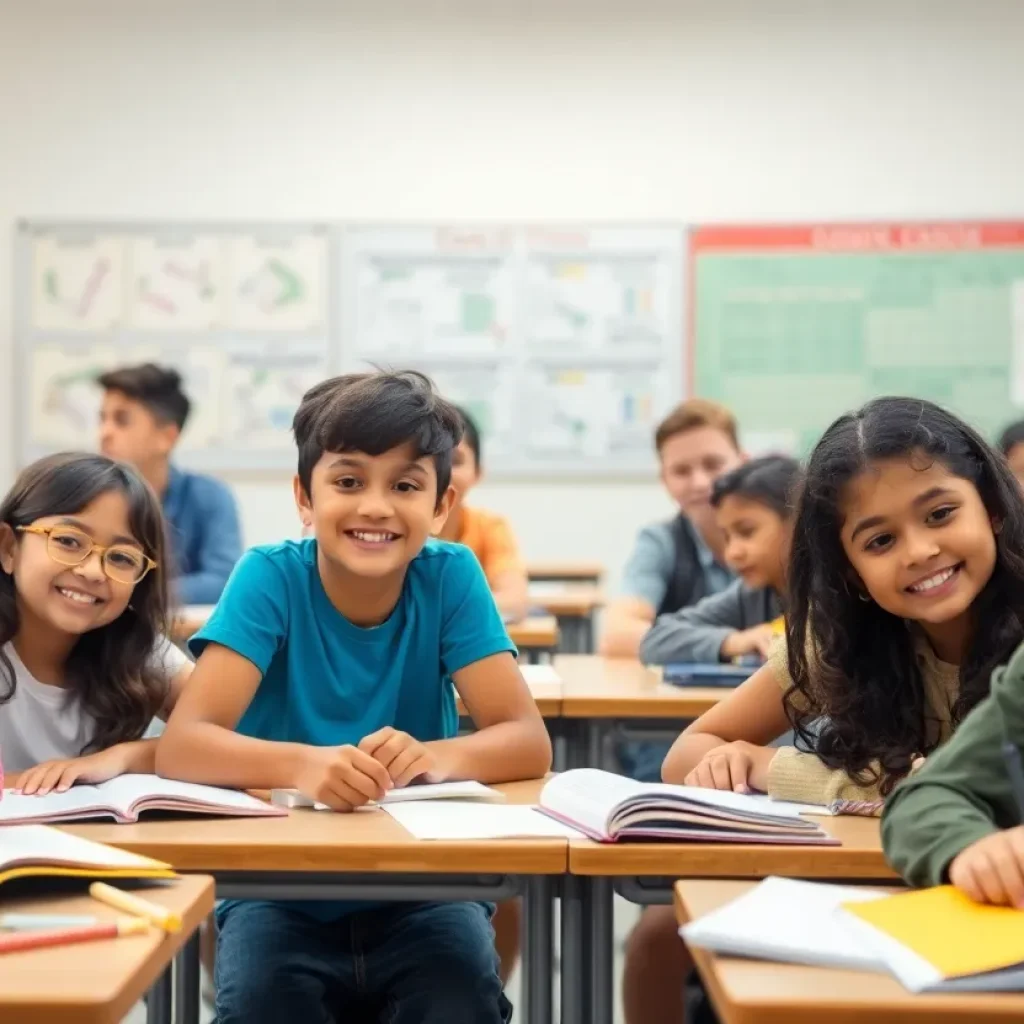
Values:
[(110, 671), (471, 435), (851, 660), (770, 480), (157, 388), (373, 413), (1012, 436), (695, 413)]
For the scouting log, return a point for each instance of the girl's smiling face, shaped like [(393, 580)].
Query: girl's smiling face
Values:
[(72, 599), (921, 542)]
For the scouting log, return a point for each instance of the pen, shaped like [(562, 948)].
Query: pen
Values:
[(1011, 755), (132, 904), (38, 922), (17, 941)]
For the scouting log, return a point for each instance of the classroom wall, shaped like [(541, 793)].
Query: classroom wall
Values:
[(504, 109)]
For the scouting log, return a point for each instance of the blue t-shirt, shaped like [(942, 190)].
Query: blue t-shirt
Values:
[(328, 682)]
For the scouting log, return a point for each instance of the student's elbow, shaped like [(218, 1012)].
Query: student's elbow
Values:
[(537, 749)]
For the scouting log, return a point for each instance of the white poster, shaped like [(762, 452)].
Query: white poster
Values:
[(77, 283)]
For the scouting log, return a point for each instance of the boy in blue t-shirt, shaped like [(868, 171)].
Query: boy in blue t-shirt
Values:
[(328, 667)]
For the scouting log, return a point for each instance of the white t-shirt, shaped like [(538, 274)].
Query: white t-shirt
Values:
[(41, 723)]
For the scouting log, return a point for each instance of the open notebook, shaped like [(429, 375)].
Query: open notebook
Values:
[(128, 796), (610, 807), (33, 850)]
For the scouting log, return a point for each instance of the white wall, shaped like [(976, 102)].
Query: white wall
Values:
[(505, 109)]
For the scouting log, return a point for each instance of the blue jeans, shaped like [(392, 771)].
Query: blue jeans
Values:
[(400, 963), (642, 759)]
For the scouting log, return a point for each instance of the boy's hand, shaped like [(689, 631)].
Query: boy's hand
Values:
[(60, 776), (756, 640), (404, 757), (739, 766), (344, 778), (992, 869)]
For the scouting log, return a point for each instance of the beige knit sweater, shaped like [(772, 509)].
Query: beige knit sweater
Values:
[(794, 775)]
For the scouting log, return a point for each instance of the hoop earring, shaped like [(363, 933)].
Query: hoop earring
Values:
[(866, 598)]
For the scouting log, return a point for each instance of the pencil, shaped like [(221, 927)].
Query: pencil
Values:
[(17, 941), (132, 904)]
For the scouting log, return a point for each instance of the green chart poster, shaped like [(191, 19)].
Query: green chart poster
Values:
[(792, 326)]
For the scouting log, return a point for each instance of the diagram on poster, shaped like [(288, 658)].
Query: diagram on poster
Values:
[(64, 399), (264, 385), (277, 284), (422, 304), (77, 283), (599, 303), (177, 285), (592, 413)]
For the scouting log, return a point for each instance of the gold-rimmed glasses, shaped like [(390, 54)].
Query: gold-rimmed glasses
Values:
[(121, 562)]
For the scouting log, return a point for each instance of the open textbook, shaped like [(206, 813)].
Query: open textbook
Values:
[(128, 796), (931, 940), (609, 807), (33, 850)]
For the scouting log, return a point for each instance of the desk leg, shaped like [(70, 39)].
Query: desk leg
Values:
[(597, 753), (186, 983), (602, 956), (159, 999), (538, 949), (576, 959)]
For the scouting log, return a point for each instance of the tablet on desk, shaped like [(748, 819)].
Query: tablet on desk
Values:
[(694, 674)]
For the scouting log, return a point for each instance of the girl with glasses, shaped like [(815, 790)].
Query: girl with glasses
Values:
[(84, 661)]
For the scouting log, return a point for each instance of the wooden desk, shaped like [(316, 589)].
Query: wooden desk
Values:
[(307, 841), (95, 981), (565, 572), (366, 856), (598, 687), (759, 992), (535, 635), (573, 605), (860, 856), (641, 873)]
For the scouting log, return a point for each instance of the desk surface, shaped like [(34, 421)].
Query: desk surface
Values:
[(860, 856), (760, 992), (566, 599), (99, 981), (598, 687), (588, 572), (534, 631), (306, 840)]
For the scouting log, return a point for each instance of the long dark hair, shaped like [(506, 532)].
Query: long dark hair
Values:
[(110, 670), (769, 480), (853, 661)]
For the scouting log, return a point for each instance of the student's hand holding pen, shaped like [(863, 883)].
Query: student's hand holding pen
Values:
[(344, 778)]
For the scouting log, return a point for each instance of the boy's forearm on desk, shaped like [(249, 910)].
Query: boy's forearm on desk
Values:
[(506, 752), (203, 752)]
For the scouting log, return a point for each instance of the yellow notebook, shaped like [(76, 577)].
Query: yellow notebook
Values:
[(38, 850), (935, 935)]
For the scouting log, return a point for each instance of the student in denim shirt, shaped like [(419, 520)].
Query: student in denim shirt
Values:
[(330, 666), (144, 411)]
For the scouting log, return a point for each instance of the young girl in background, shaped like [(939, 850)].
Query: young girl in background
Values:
[(906, 589), (84, 663), (754, 510)]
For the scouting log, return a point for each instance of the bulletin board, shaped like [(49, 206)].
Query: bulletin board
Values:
[(242, 311), (565, 342), (793, 325)]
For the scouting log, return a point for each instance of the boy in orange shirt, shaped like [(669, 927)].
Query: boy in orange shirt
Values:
[(487, 534)]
